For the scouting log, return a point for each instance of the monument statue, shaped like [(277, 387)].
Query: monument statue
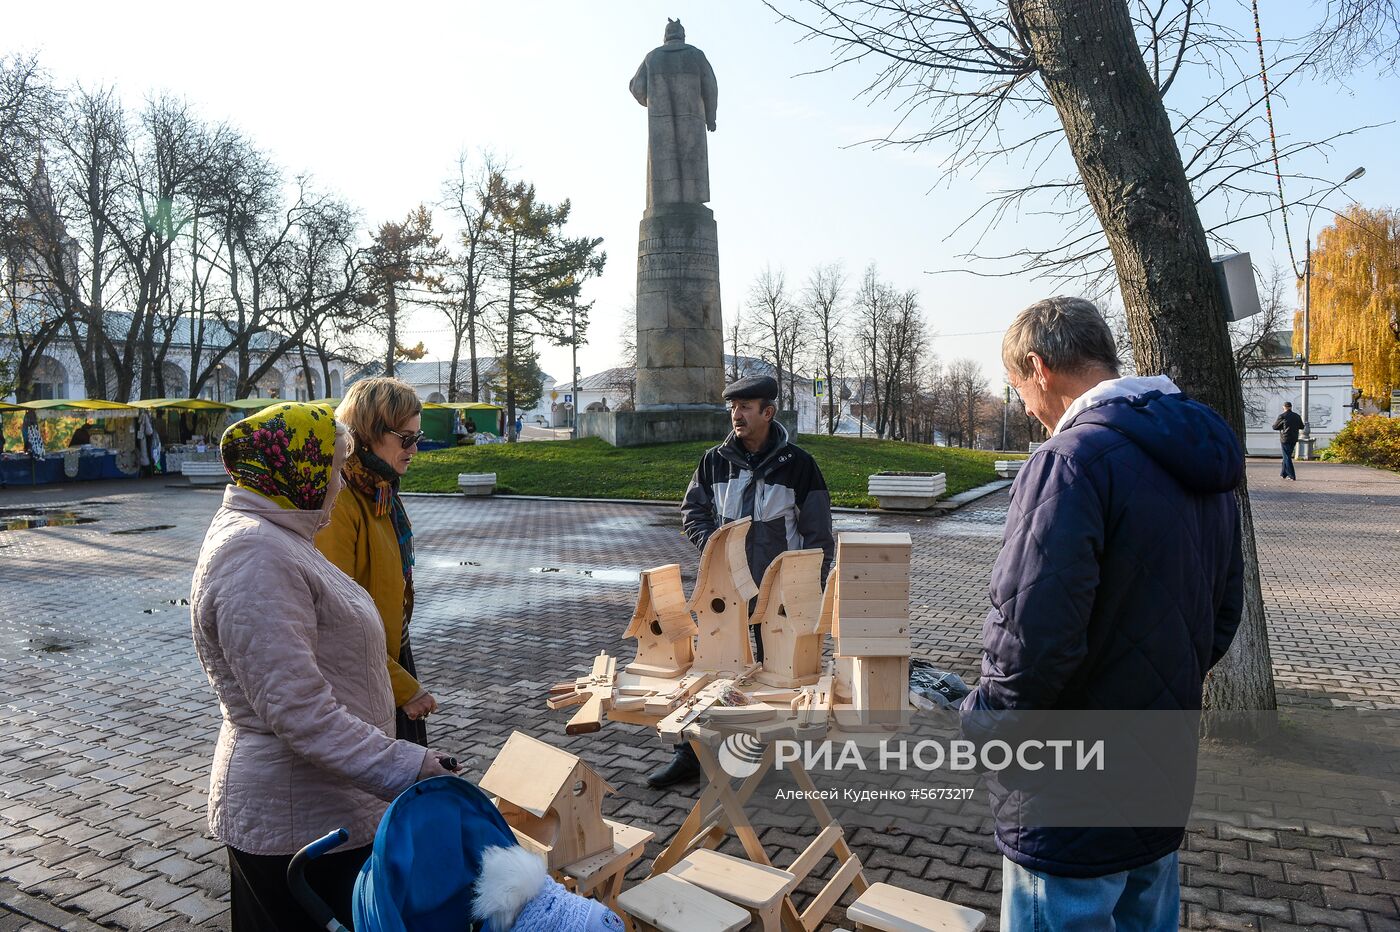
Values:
[(680, 331), (677, 86)]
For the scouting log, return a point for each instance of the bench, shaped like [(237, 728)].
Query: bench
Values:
[(915, 491), (1008, 469), (477, 483), (204, 473)]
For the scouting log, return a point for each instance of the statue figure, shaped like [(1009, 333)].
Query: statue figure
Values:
[(677, 86)]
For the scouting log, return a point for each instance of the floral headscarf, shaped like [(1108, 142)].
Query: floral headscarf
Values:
[(283, 453)]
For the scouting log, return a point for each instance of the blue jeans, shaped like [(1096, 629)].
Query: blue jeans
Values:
[(1145, 899), (1288, 472)]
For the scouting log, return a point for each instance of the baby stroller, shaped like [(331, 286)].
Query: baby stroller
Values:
[(442, 853)]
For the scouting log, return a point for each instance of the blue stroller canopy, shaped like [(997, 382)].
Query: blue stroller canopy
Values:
[(421, 876)]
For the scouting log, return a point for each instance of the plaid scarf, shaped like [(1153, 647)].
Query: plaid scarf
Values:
[(376, 480)]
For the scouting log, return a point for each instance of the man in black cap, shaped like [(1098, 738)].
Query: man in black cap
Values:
[(758, 473)]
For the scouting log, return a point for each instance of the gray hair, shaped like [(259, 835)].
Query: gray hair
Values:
[(1068, 334)]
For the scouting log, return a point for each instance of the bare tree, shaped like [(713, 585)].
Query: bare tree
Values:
[(774, 327), (823, 300), (981, 74), (1357, 34), (469, 195)]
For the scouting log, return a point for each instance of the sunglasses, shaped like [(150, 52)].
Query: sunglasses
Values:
[(407, 440)]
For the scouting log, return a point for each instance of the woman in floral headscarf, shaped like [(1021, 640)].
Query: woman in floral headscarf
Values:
[(295, 652), (370, 536)]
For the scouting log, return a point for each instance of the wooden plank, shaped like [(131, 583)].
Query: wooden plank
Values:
[(813, 854), (872, 608), (821, 904), (868, 572), (856, 628), (875, 538), (890, 556), (756, 886), (875, 647), (672, 905), (891, 909), (853, 590)]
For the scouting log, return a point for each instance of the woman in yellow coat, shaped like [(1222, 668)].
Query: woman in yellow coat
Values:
[(370, 536)]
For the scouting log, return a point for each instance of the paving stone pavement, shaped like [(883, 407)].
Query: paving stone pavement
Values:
[(107, 723)]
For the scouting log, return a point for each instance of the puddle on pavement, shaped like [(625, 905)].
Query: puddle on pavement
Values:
[(619, 576), (25, 520), (50, 646), (145, 530)]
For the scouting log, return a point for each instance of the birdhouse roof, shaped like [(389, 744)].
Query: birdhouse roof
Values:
[(804, 569), (661, 594), (724, 554), (532, 774)]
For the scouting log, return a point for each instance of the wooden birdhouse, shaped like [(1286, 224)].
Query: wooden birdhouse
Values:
[(868, 604), (662, 625), (552, 799), (789, 609), (721, 601)]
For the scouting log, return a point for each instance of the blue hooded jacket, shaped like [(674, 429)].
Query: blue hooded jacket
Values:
[(1118, 585)]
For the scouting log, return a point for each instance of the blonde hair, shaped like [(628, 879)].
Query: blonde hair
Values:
[(373, 407)]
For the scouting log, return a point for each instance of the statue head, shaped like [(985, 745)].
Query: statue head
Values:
[(674, 30)]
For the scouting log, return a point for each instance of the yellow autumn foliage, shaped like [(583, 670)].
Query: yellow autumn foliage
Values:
[(1356, 298)]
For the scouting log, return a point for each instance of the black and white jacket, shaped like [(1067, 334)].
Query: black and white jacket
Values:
[(780, 487)]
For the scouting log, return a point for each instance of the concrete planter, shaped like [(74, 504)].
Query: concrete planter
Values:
[(907, 490), (1008, 469), (477, 483), (204, 473)]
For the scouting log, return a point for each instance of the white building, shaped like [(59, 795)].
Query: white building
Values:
[(430, 378), (612, 389), (59, 371), (1329, 404)]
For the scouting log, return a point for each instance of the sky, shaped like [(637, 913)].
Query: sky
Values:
[(376, 101)]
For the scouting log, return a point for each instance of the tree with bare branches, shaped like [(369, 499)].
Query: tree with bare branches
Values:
[(974, 74), (824, 303)]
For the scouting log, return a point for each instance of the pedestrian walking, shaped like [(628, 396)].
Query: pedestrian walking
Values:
[(1288, 424), (294, 651), (370, 536)]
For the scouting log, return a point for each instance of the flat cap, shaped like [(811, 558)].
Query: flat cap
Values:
[(754, 386)]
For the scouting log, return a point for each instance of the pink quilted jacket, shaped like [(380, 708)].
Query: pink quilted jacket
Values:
[(295, 652)]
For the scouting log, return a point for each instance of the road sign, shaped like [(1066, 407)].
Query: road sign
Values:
[(568, 399), (1305, 378), (819, 387)]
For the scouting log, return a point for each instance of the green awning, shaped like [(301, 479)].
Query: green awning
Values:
[(253, 404), (97, 407), (181, 404)]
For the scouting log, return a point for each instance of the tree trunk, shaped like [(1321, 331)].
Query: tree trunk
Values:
[(1122, 141), (391, 310)]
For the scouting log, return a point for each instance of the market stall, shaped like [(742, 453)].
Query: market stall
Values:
[(185, 430), (71, 439), (485, 419)]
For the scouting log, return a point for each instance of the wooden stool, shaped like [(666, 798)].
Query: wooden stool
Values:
[(756, 887), (889, 909), (668, 904)]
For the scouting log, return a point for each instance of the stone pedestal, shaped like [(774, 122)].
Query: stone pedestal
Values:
[(680, 332), (637, 428)]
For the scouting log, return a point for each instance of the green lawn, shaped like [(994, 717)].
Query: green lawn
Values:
[(593, 469)]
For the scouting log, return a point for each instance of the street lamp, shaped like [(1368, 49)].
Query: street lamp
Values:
[(1307, 309)]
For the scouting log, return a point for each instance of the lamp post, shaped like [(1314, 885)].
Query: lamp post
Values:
[(1307, 311)]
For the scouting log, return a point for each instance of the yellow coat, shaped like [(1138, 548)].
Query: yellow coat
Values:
[(363, 544)]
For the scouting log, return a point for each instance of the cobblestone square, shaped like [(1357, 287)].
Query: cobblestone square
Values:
[(107, 723)]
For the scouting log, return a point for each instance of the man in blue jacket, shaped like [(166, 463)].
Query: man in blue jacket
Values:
[(1118, 586)]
